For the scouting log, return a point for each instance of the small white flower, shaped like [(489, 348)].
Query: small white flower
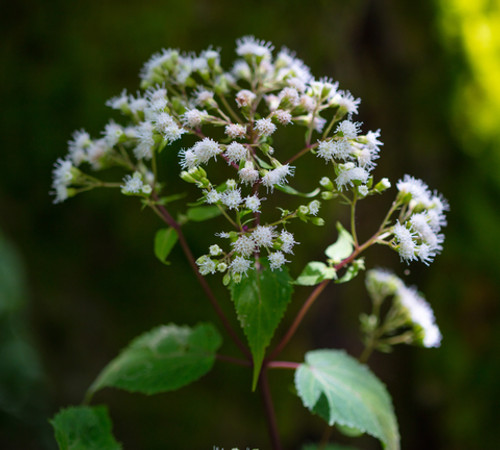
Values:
[(345, 100), (289, 95), (138, 104), (380, 283), (206, 149), (133, 184), (249, 46), (241, 69), (263, 235), (168, 127), (329, 150), (405, 239), (421, 314), (372, 140), (188, 159), (144, 149), (193, 118), (215, 250), (206, 265), (231, 184), (240, 264), (348, 173), (78, 145), (244, 246), (319, 123), (231, 198), (283, 117), (276, 260), (287, 241), (417, 190), (248, 174), (253, 203), (157, 99), (112, 133), (204, 97), (314, 207), (235, 130), (119, 102), (62, 177), (235, 152), (349, 130), (245, 98), (277, 176), (363, 190), (95, 153), (212, 197)]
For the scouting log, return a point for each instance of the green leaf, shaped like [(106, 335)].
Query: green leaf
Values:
[(291, 191), (163, 359), (343, 248), (342, 391), (314, 273), (261, 299), (165, 240), (201, 213), (84, 428)]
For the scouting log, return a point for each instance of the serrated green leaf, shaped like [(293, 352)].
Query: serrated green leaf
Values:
[(202, 213), (291, 191), (314, 273), (343, 247), (84, 428), (165, 240), (163, 359), (342, 391), (261, 299)]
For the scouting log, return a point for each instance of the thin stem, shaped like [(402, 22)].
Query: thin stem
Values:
[(283, 365), (169, 220), (314, 295), (302, 152), (269, 408)]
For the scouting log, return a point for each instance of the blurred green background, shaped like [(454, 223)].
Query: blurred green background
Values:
[(79, 280)]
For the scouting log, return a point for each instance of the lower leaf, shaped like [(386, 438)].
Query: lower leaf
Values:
[(163, 359), (84, 428), (342, 391)]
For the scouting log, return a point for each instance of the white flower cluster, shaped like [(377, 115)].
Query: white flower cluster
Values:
[(418, 233), (232, 117), (409, 307), (353, 155), (244, 246)]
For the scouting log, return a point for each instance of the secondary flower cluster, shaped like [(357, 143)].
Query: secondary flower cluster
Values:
[(408, 310), (417, 234)]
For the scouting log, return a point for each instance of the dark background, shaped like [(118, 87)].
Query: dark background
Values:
[(79, 280)]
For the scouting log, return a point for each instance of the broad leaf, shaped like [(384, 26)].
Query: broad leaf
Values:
[(165, 240), (163, 359), (202, 213), (314, 273), (342, 391), (342, 248), (261, 299), (84, 428)]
